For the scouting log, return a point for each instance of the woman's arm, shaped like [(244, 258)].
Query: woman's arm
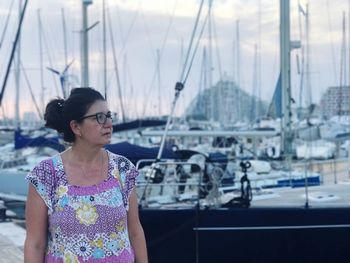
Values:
[(137, 237), (36, 226)]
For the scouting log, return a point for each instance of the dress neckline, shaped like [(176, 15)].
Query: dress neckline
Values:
[(93, 186)]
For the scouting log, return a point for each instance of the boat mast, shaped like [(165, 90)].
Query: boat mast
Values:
[(238, 72), (159, 83), (307, 66), (13, 50), (210, 62), (349, 41), (301, 63), (203, 84), (104, 48), (40, 26), (64, 37), (180, 84), (258, 64), (255, 97), (116, 70), (65, 86), (17, 70), (85, 46), (343, 80), (285, 48)]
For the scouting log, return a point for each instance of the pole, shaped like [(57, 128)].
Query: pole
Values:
[(85, 47), (17, 71), (13, 51), (285, 49), (41, 62), (238, 71), (210, 64), (65, 86), (104, 49)]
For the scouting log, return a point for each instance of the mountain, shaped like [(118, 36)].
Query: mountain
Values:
[(225, 102)]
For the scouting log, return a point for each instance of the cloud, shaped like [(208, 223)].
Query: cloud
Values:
[(140, 28)]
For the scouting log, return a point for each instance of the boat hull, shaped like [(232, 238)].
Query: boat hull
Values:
[(247, 235)]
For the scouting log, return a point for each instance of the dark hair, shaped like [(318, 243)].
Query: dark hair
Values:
[(59, 112)]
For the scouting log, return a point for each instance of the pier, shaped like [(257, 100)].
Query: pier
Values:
[(11, 242)]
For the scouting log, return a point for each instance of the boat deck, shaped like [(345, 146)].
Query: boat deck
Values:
[(333, 191)]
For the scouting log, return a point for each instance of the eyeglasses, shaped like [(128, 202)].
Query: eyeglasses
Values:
[(101, 117)]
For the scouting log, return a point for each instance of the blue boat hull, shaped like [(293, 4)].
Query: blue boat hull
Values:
[(247, 235)]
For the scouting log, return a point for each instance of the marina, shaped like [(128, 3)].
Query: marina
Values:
[(277, 214), (232, 167)]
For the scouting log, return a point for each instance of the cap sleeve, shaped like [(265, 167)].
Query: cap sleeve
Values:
[(126, 173), (42, 178)]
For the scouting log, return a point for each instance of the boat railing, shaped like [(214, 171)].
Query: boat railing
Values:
[(168, 181), (12, 162)]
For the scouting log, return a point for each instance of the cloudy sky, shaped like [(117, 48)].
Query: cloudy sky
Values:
[(151, 39)]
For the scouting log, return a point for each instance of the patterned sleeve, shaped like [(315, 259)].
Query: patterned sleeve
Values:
[(128, 174), (41, 177)]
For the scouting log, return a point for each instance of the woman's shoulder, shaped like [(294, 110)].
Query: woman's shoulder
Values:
[(47, 163), (118, 158)]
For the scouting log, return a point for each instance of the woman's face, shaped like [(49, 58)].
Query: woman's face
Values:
[(96, 127)]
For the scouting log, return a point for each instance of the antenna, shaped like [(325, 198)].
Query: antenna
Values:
[(63, 78)]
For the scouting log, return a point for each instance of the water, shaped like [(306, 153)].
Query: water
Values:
[(13, 183)]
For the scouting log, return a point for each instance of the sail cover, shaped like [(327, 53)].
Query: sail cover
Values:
[(22, 141), (275, 108)]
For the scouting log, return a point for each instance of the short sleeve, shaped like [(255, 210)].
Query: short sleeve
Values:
[(42, 178), (127, 176)]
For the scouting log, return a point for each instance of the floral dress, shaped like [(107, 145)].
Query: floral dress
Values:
[(86, 223)]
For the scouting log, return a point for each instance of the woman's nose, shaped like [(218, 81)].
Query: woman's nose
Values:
[(108, 122)]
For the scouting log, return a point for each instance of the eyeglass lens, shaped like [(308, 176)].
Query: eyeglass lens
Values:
[(102, 118)]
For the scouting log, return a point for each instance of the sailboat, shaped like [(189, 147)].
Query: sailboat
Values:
[(28, 145), (209, 232), (201, 231)]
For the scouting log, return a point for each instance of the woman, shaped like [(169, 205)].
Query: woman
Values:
[(82, 205)]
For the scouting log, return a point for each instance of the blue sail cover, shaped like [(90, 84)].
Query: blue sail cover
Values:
[(22, 141), (137, 124), (275, 108), (135, 153)]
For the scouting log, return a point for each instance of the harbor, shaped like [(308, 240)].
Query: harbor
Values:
[(272, 208), (243, 160)]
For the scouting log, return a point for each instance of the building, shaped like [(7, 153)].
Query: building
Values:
[(335, 101)]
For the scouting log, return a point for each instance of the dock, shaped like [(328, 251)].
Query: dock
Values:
[(11, 242)]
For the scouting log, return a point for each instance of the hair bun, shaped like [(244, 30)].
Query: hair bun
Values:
[(54, 114)]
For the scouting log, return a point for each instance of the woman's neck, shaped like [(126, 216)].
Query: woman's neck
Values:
[(84, 154)]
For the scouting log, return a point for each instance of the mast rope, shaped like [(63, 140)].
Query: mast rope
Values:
[(46, 46), (13, 51), (31, 91), (330, 30), (160, 55), (6, 24), (218, 57), (116, 70), (196, 48), (184, 75)]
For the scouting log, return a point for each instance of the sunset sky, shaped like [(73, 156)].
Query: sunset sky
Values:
[(143, 28)]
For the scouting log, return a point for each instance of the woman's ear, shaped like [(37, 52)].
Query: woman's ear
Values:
[(75, 127)]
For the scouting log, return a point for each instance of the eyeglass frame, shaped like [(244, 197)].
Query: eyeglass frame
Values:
[(108, 115)]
